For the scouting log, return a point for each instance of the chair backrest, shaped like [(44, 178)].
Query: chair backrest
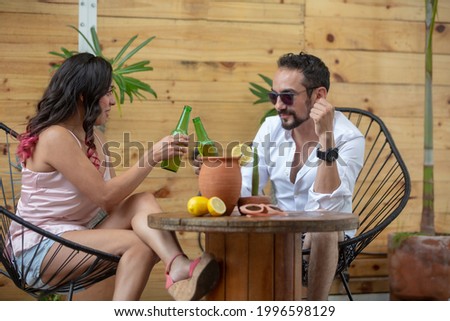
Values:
[(10, 174), (89, 265), (383, 185)]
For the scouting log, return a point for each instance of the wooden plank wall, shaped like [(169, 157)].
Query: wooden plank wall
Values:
[(205, 53)]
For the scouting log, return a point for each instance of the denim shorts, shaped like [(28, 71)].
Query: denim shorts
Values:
[(31, 260)]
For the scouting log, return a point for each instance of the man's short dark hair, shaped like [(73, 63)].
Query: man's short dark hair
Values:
[(315, 72)]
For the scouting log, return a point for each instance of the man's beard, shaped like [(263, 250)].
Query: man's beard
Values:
[(295, 121)]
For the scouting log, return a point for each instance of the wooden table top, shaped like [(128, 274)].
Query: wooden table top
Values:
[(294, 222)]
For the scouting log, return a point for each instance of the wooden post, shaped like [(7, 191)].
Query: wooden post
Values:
[(257, 266)]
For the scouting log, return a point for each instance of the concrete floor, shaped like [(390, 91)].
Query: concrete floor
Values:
[(361, 297)]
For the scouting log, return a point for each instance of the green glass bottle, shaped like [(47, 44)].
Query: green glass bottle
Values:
[(173, 164), (206, 146)]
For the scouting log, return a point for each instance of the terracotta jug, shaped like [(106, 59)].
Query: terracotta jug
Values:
[(221, 177)]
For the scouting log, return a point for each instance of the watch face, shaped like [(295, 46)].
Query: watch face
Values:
[(332, 155)]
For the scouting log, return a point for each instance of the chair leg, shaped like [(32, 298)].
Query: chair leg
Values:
[(70, 294), (346, 286), (199, 240)]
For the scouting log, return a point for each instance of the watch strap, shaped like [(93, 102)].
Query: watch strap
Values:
[(330, 155)]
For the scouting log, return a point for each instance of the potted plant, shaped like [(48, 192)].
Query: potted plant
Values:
[(125, 85), (419, 262)]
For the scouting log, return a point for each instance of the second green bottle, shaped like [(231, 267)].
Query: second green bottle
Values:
[(206, 146)]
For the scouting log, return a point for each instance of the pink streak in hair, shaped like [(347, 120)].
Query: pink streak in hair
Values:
[(26, 146), (92, 155), (28, 143)]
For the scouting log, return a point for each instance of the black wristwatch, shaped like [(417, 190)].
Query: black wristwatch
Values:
[(330, 155)]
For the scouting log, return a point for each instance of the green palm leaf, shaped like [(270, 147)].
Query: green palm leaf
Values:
[(266, 79), (125, 86), (84, 37), (96, 42), (261, 94), (118, 79), (119, 105), (131, 54), (124, 48), (137, 67)]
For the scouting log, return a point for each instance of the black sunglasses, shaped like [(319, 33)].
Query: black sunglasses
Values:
[(287, 97)]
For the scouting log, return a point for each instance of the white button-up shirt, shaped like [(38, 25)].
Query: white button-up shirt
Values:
[(276, 149)]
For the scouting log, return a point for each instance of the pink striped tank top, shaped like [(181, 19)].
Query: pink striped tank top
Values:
[(49, 201)]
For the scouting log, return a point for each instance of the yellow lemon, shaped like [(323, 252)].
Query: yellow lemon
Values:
[(236, 151), (216, 206), (244, 151), (198, 205)]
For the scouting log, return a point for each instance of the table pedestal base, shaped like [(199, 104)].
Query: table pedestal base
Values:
[(257, 266)]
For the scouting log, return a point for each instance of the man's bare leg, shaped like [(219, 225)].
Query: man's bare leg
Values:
[(322, 264)]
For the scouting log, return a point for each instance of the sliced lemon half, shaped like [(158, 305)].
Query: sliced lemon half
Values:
[(198, 205), (216, 206), (245, 152)]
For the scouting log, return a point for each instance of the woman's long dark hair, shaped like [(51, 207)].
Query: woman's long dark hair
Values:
[(81, 78)]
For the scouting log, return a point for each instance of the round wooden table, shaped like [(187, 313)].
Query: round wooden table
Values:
[(260, 257)]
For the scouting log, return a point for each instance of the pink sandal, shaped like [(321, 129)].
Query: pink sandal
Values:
[(204, 273)]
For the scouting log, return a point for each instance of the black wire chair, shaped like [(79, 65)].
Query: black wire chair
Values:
[(381, 192), (89, 265)]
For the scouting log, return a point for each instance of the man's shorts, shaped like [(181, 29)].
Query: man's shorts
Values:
[(349, 252)]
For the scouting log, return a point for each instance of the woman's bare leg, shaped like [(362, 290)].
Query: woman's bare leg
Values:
[(135, 265), (129, 286), (167, 247), (120, 218), (133, 214), (164, 243)]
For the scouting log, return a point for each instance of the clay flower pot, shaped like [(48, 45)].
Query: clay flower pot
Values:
[(419, 267), (221, 177)]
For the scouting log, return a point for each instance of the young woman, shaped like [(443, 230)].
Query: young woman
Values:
[(67, 183)]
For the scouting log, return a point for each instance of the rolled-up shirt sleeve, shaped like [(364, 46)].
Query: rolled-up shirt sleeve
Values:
[(350, 162)]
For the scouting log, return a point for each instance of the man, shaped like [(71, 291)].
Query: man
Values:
[(312, 156)]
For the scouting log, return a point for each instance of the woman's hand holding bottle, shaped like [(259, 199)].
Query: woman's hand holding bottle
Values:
[(168, 147)]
